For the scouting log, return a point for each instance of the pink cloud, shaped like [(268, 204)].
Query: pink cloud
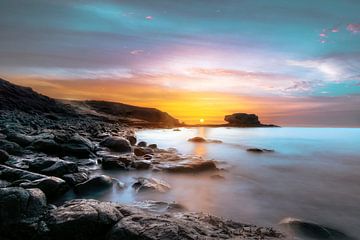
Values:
[(149, 17), (137, 52), (353, 27)]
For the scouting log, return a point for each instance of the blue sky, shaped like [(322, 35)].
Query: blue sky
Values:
[(266, 49)]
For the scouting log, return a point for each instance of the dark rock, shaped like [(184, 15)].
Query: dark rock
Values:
[(139, 151), (242, 119), (142, 164), (20, 211), (259, 150), (20, 139), (147, 156), (78, 146), (150, 184), (132, 140), (142, 144), (4, 156), (190, 166), (53, 167), (48, 146), (116, 144), (153, 146), (75, 178), (310, 230), (113, 163), (159, 206), (197, 139), (96, 183), (51, 186), (10, 147), (82, 219)]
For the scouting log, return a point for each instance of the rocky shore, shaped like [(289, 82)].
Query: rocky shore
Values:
[(48, 147)]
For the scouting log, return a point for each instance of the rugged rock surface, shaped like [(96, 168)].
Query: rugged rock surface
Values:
[(150, 184), (96, 183), (117, 144), (244, 120)]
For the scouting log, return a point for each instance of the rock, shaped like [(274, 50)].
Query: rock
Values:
[(53, 167), (12, 174), (147, 156), (96, 183), (48, 146), (179, 226), (197, 140), (139, 151), (150, 184), (217, 176), (20, 211), (242, 119), (4, 156), (78, 146), (113, 163), (153, 146), (159, 206), (259, 150), (20, 139), (51, 186), (10, 147), (176, 130), (194, 166), (142, 164), (116, 144), (75, 178), (82, 219), (142, 144), (132, 140), (297, 227)]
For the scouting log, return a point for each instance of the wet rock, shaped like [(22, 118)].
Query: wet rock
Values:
[(53, 167), (48, 146), (113, 163), (51, 186), (82, 219), (139, 151), (12, 174), (116, 144), (4, 156), (153, 146), (10, 147), (78, 146), (142, 164), (147, 157), (150, 184), (159, 206), (75, 178), (96, 183), (197, 140), (132, 140), (20, 211), (259, 150), (297, 227), (142, 144), (186, 166), (176, 130), (20, 139)]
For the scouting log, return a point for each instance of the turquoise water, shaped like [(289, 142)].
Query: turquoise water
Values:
[(314, 174)]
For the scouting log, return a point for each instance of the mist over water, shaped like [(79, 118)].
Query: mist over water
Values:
[(314, 175)]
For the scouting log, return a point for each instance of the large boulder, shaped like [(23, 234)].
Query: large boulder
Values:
[(75, 178), (48, 146), (116, 144), (10, 147), (78, 146), (242, 119), (96, 183), (20, 211), (51, 186), (53, 166), (21, 139), (82, 220)]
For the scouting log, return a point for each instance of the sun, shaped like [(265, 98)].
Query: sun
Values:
[(202, 120)]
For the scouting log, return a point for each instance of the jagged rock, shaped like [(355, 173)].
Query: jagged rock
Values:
[(10, 147), (20, 211), (75, 178), (150, 184), (96, 183), (4, 156), (116, 144), (82, 219)]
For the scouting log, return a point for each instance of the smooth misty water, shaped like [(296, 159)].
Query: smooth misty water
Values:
[(314, 174)]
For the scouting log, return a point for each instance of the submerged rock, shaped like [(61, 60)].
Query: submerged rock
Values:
[(150, 184), (117, 144), (159, 206), (189, 166), (96, 183), (259, 150), (197, 140)]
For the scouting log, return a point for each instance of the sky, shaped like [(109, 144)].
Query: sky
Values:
[(294, 63)]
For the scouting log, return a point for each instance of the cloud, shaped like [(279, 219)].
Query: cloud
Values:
[(353, 27)]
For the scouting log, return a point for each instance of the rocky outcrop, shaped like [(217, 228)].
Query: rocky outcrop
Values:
[(244, 120), (116, 144)]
